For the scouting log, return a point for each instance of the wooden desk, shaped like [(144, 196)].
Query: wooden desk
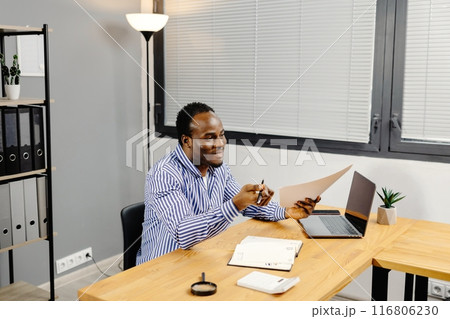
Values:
[(325, 266), (423, 250)]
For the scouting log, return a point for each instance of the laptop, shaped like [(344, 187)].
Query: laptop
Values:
[(351, 225)]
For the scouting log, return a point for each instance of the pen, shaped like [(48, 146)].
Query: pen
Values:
[(258, 200)]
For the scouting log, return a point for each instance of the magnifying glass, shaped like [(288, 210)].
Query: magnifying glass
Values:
[(203, 288)]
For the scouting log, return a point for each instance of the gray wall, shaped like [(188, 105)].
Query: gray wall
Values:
[(97, 91)]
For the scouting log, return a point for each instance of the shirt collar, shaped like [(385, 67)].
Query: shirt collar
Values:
[(184, 160)]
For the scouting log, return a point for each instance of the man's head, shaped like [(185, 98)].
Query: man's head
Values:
[(185, 116), (201, 134)]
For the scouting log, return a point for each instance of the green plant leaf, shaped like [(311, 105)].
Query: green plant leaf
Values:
[(389, 197)]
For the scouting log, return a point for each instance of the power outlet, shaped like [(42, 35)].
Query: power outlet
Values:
[(439, 289), (61, 265), (74, 260), (85, 255)]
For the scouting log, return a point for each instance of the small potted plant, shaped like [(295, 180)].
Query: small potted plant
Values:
[(11, 77), (387, 214)]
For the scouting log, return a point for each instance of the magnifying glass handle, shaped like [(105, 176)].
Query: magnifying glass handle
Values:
[(203, 276)]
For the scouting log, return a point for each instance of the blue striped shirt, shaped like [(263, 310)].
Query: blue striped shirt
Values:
[(181, 211)]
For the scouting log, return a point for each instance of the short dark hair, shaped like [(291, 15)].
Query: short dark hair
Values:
[(185, 115)]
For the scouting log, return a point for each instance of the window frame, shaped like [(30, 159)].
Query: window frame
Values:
[(385, 140)]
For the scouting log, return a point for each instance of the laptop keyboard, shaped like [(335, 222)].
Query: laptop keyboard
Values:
[(338, 226)]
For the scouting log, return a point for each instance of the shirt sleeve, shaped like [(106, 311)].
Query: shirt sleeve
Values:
[(273, 212), (175, 212)]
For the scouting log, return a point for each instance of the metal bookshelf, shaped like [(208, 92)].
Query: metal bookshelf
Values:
[(20, 290)]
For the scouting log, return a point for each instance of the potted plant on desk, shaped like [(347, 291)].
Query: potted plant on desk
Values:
[(387, 214), (11, 76)]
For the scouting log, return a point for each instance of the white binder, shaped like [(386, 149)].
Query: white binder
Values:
[(5, 217), (42, 205), (31, 208), (17, 212)]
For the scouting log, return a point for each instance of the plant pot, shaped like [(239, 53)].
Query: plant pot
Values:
[(387, 216), (12, 91)]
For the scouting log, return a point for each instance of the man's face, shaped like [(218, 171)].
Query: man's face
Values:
[(208, 140)]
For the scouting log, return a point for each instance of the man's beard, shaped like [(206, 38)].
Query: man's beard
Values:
[(215, 165)]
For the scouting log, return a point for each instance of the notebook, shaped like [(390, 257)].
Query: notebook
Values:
[(266, 252), (353, 223)]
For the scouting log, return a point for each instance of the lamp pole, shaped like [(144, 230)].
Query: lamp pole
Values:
[(147, 24), (147, 35)]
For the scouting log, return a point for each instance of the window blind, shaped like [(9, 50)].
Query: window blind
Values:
[(426, 87), (291, 68)]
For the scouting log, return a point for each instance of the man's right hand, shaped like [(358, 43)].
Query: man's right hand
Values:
[(302, 209), (249, 195)]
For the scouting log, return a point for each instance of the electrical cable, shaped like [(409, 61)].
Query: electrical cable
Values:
[(88, 255)]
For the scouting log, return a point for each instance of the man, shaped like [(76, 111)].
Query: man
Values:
[(190, 195)]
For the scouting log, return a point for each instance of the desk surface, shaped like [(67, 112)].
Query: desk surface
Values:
[(325, 266), (422, 250)]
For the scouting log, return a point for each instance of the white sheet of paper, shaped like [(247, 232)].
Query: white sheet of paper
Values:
[(289, 195), (260, 252), (269, 240), (30, 49)]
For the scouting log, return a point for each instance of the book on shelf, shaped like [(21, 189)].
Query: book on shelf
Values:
[(266, 253)]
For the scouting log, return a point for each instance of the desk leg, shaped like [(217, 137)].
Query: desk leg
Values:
[(421, 290), (409, 283), (380, 279)]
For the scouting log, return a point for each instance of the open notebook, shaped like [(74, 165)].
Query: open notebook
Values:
[(266, 253)]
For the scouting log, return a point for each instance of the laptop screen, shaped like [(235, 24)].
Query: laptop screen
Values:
[(360, 201)]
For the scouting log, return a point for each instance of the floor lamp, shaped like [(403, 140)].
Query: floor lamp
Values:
[(147, 24)]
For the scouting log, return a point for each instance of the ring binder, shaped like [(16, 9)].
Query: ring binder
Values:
[(31, 208), (2, 147), (17, 212), (41, 184), (5, 217), (12, 165), (37, 137), (26, 163)]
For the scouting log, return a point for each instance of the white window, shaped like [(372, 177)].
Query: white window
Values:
[(426, 91)]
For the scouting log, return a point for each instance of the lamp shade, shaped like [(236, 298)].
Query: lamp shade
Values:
[(147, 21)]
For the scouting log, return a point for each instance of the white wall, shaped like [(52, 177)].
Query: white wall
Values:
[(423, 183)]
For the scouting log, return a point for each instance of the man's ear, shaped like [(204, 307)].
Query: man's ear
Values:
[(186, 140)]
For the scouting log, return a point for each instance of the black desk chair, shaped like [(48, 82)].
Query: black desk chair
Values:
[(132, 217)]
